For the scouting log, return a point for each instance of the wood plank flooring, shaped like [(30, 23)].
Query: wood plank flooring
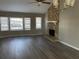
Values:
[(34, 47)]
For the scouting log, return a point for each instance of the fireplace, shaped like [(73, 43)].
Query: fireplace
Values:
[(51, 32)]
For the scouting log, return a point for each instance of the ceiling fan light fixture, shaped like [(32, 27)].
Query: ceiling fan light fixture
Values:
[(39, 3)]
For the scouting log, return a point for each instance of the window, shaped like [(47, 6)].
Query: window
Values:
[(38, 22), (16, 23), (4, 23), (27, 23)]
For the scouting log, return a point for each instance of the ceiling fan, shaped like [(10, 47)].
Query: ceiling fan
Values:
[(39, 2)]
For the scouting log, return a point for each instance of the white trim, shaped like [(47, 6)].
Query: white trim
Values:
[(69, 45)]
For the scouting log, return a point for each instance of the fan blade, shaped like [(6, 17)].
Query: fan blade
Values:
[(30, 2), (47, 2), (40, 0)]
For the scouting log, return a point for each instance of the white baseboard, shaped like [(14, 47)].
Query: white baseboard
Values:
[(69, 45)]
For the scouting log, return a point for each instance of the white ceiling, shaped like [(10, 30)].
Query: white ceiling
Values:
[(23, 6)]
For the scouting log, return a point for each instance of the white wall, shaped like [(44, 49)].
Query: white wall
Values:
[(69, 25)]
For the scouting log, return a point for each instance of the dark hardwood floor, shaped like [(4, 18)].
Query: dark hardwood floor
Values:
[(34, 47)]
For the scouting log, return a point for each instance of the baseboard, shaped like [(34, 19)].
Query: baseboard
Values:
[(20, 35), (69, 45)]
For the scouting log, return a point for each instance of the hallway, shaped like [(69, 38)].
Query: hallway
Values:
[(34, 47)]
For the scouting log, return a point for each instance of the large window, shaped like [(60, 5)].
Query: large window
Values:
[(16, 24), (38, 22), (27, 23), (4, 23)]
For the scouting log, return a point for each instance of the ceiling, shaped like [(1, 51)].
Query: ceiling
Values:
[(23, 6)]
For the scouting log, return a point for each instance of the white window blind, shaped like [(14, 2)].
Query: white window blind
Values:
[(16, 24), (4, 23), (27, 23), (38, 22)]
